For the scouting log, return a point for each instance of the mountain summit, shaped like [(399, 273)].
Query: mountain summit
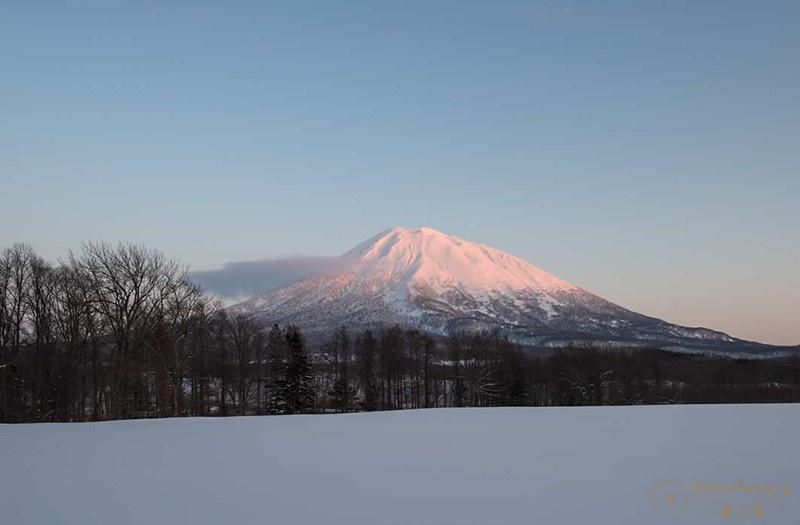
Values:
[(439, 283), (429, 258)]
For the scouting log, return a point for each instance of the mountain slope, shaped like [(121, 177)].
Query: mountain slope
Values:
[(423, 278)]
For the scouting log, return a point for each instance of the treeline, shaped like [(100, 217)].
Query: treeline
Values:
[(117, 332)]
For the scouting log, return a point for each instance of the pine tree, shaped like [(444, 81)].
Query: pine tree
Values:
[(299, 378), (275, 394)]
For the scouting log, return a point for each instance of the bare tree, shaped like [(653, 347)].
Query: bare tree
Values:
[(17, 261), (129, 285)]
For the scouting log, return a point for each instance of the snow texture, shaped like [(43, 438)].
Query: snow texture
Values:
[(440, 466), (425, 279), (424, 255)]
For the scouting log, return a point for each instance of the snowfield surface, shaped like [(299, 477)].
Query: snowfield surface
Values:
[(605, 465)]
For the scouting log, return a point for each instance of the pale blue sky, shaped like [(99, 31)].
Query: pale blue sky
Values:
[(647, 151)]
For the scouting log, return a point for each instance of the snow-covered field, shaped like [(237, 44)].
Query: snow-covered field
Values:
[(606, 465)]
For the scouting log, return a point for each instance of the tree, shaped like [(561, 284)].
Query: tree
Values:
[(456, 356), (174, 336), (428, 353), (390, 359), (514, 382), (245, 340), (17, 269), (15, 275), (275, 392), (128, 284), (342, 392), (39, 301), (365, 365), (299, 379)]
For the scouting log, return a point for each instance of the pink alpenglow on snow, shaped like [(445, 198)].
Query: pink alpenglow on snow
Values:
[(441, 284), (425, 255)]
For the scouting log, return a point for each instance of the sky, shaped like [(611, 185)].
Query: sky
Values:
[(646, 151)]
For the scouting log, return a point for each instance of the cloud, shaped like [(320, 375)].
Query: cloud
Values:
[(240, 280)]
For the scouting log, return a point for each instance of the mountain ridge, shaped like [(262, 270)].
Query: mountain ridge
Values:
[(439, 283)]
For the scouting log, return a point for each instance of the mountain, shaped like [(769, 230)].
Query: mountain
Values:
[(438, 283)]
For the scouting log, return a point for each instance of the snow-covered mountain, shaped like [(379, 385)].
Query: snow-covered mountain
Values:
[(423, 278)]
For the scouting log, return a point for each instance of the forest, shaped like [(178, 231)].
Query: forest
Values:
[(121, 332)]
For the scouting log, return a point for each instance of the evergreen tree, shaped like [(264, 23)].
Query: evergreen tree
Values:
[(275, 394), (299, 378)]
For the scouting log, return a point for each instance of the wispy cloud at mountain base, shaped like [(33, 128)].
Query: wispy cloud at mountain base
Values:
[(240, 280)]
